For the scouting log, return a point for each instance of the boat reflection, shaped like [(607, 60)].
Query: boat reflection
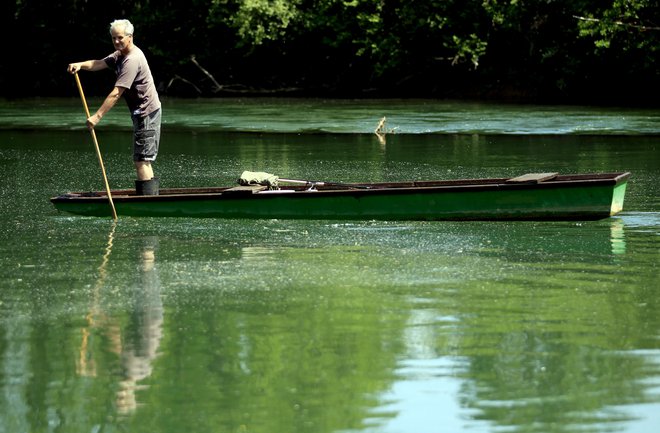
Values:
[(617, 236)]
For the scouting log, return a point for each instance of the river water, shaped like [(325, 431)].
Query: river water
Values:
[(170, 325)]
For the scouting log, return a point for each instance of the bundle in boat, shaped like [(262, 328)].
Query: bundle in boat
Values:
[(259, 178)]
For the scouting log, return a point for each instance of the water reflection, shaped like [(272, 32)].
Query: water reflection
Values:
[(551, 350), (135, 340), (617, 236), (142, 337), (86, 365)]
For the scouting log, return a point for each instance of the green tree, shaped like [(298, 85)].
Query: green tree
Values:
[(557, 50), (626, 38), (632, 24)]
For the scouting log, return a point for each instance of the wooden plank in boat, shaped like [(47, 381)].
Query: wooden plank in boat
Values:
[(533, 178), (246, 189)]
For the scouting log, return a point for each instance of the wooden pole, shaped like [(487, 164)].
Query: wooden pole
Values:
[(98, 151)]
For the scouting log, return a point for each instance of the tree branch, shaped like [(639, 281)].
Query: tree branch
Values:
[(618, 23), (217, 87), (177, 77)]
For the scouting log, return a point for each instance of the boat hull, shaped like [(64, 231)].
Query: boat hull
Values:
[(577, 197)]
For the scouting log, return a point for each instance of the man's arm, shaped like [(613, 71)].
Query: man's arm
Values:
[(87, 65), (109, 102)]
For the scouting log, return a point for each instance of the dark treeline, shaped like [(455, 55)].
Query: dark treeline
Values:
[(586, 51)]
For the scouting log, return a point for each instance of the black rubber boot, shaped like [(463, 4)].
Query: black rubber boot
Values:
[(146, 187)]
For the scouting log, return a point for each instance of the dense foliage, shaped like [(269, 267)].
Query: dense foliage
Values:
[(551, 50)]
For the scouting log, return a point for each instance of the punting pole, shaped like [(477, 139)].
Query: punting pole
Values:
[(320, 183), (98, 151)]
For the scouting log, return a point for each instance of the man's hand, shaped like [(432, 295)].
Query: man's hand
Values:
[(73, 68), (93, 121)]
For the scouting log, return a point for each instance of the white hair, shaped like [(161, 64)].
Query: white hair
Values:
[(126, 24)]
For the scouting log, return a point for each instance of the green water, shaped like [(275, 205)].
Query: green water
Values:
[(170, 325)]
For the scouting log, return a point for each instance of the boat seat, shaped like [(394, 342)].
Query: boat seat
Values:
[(533, 178)]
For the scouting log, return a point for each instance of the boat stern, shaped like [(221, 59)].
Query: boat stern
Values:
[(618, 196)]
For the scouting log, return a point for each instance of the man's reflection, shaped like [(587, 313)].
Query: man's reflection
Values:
[(136, 344), (142, 337)]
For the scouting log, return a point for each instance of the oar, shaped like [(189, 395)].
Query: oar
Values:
[(320, 183), (98, 151)]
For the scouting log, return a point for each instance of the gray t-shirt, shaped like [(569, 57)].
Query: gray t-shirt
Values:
[(134, 75)]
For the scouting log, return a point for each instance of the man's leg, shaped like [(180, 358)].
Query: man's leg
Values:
[(144, 170), (146, 140)]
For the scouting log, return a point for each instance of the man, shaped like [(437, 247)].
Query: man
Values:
[(136, 85)]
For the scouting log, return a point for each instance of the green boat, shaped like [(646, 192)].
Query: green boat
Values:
[(534, 196)]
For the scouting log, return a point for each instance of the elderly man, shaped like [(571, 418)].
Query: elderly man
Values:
[(136, 84)]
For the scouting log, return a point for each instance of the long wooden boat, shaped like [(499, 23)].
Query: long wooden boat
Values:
[(534, 196)]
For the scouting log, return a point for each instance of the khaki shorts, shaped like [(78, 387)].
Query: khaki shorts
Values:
[(146, 136)]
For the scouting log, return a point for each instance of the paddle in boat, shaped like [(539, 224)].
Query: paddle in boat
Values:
[(533, 196)]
